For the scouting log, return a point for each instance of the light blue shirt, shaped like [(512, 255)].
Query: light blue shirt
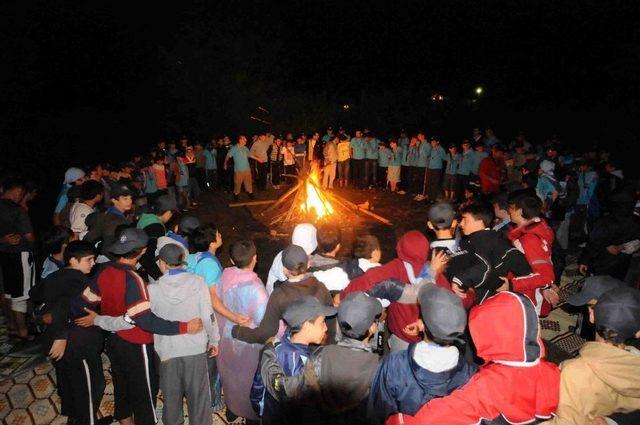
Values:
[(412, 156), (63, 200), (210, 157), (477, 159), (383, 157), (395, 158), (453, 163), (371, 148), (357, 144), (437, 158), (587, 182), (424, 148), (467, 160), (206, 265), (240, 155), (545, 187)]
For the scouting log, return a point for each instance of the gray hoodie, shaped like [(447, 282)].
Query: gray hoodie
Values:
[(182, 296)]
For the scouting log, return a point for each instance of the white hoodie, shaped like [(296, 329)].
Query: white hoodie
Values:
[(304, 235)]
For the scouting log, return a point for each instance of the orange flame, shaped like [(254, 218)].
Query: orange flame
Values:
[(315, 200)]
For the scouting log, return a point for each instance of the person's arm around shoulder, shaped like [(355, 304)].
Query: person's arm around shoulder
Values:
[(268, 326), (208, 318)]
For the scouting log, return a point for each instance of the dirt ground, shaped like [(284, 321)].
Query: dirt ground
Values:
[(253, 222)]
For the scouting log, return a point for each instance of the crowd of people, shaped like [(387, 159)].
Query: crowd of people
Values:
[(447, 332)]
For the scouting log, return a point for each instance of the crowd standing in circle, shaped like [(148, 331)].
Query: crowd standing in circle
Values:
[(447, 332)]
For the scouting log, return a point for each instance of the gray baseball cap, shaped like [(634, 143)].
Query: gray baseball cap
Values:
[(357, 312), (619, 310), (188, 224), (441, 215), (592, 288), (442, 313), (172, 254), (304, 309), (129, 239), (293, 256)]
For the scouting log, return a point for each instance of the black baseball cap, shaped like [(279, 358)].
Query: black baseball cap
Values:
[(619, 310), (293, 256), (441, 215), (172, 254), (130, 238), (188, 224), (304, 309), (593, 287), (356, 314), (120, 189), (165, 203), (442, 313)]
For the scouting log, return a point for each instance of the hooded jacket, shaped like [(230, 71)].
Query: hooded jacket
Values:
[(413, 251), (535, 241), (182, 296), (515, 385), (601, 381), (403, 385)]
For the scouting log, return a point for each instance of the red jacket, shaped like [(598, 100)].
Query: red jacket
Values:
[(535, 241), (489, 168), (515, 384), (413, 253)]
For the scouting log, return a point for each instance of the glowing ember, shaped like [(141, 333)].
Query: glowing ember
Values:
[(315, 201)]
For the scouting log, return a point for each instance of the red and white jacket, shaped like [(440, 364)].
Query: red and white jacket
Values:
[(515, 385), (535, 241)]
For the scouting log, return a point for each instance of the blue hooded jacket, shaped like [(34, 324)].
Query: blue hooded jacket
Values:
[(402, 386)]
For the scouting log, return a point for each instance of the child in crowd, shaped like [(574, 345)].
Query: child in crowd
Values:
[(180, 295), (241, 290), (54, 242), (304, 235), (443, 223), (515, 384), (394, 170), (502, 219), (305, 319), (75, 351), (299, 283), (433, 367), (92, 193), (451, 172), (603, 380)]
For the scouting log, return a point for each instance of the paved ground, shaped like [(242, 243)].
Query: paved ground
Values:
[(27, 379)]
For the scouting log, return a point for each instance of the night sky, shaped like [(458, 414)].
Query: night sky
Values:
[(93, 80)]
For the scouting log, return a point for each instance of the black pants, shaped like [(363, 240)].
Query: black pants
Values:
[(370, 172), (382, 177), (135, 380), (416, 179), (404, 177), (275, 170), (461, 184), (79, 375), (434, 183), (211, 179), (357, 168), (262, 168)]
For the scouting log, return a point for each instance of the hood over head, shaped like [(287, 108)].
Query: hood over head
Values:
[(505, 330), (413, 248), (304, 235)]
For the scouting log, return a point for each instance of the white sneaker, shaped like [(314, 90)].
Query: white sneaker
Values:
[(401, 192), (419, 198)]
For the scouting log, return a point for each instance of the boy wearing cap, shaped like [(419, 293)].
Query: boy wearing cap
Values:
[(120, 291), (179, 295), (305, 319), (451, 172), (433, 367), (336, 377), (106, 224), (443, 222), (603, 380), (299, 283)]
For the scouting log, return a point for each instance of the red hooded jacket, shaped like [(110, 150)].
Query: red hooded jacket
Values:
[(489, 169), (535, 241), (413, 250), (514, 385)]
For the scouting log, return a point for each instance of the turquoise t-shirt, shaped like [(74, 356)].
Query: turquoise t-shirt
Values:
[(437, 157), (396, 157), (545, 187), (63, 200), (383, 157), (210, 157), (357, 144), (425, 152), (371, 148), (206, 265), (412, 156), (467, 160), (453, 163), (240, 155), (477, 159)]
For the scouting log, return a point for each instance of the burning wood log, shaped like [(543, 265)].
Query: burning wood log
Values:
[(252, 203)]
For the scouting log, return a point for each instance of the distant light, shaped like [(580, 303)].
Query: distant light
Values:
[(346, 106), (479, 90), (437, 97)]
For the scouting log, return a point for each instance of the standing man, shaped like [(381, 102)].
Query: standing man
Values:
[(259, 153), (491, 170), (467, 159), (434, 169), (371, 160), (424, 150), (344, 157), (330, 154), (357, 159), (241, 168)]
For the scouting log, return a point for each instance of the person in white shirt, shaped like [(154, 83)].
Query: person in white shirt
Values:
[(92, 194)]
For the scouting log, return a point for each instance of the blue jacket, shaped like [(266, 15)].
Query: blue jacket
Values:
[(402, 386)]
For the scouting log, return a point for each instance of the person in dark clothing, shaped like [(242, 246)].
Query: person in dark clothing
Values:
[(484, 257), (153, 224), (299, 283), (75, 351), (434, 367), (613, 239), (104, 226)]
